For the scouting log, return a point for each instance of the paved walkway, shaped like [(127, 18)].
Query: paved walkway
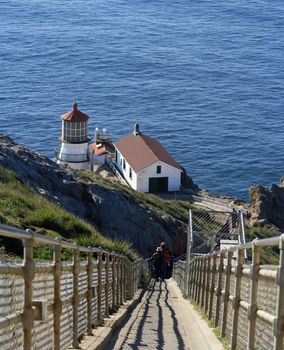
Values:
[(164, 320)]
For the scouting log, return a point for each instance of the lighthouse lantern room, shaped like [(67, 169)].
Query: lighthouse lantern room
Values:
[(74, 149)]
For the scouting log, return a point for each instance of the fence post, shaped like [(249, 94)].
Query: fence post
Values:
[(113, 282), (188, 252), (219, 288), (227, 292), (203, 285), (57, 307), (193, 284), (279, 321), (254, 275), (120, 281), (28, 274), (192, 277), (107, 285), (212, 287), (117, 280), (196, 279), (90, 292), (132, 279), (237, 297), (199, 272), (124, 278), (99, 288), (75, 301), (208, 275)]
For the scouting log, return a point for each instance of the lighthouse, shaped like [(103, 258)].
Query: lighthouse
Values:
[(74, 149)]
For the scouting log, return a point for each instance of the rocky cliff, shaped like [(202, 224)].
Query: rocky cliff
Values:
[(267, 205), (115, 213)]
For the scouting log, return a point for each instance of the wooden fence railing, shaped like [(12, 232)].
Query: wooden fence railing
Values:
[(245, 301), (51, 304)]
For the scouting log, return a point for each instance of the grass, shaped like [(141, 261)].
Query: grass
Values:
[(269, 255), (176, 209), (21, 207), (179, 210)]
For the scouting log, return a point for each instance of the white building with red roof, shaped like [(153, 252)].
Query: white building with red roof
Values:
[(145, 164)]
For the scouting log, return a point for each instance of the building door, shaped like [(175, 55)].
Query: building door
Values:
[(158, 184)]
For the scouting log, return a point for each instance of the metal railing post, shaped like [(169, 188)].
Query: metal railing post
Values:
[(196, 279), (212, 287), (219, 289), (57, 307), (193, 278), (278, 326), (237, 297), (117, 281), (242, 232), (188, 252), (203, 282), (99, 287), (29, 273), (90, 292), (208, 275), (120, 281), (124, 279), (75, 301), (113, 257), (254, 275), (226, 293), (107, 285)]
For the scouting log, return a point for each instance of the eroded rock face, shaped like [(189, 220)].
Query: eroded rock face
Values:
[(187, 182), (112, 212), (267, 205)]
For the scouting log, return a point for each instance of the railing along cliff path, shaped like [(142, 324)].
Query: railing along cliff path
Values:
[(51, 304), (245, 301)]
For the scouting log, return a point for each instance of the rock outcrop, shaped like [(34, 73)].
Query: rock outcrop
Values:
[(187, 182), (267, 205), (111, 211)]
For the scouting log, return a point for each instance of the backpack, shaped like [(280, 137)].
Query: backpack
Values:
[(157, 258)]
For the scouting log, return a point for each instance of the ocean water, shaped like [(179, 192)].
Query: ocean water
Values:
[(205, 78)]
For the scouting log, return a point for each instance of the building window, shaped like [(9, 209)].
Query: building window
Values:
[(124, 164), (116, 156), (159, 169), (130, 173)]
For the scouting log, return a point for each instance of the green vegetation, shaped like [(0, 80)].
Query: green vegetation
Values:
[(177, 209), (269, 255), (21, 207)]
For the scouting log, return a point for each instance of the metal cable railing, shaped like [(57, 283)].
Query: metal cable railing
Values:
[(212, 230), (55, 302)]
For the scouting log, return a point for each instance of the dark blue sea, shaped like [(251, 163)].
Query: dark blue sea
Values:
[(204, 77)]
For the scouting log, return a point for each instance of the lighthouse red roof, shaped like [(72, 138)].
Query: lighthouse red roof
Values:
[(75, 115)]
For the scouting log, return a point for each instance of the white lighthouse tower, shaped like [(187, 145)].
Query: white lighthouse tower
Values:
[(74, 149)]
